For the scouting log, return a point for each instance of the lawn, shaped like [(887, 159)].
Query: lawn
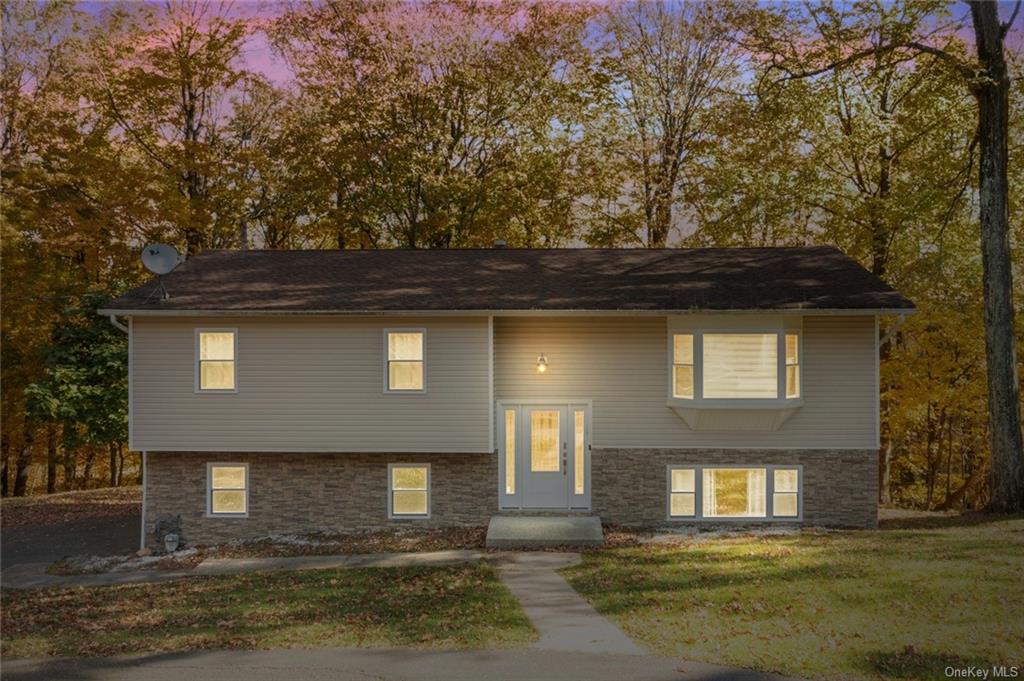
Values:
[(896, 603), (430, 607)]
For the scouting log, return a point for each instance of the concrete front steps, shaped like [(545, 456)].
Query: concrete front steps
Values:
[(543, 531)]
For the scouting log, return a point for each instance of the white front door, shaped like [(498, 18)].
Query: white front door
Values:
[(544, 456)]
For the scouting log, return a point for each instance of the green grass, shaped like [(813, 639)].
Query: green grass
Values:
[(830, 605), (430, 607)]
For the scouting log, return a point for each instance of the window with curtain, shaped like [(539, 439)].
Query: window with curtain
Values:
[(409, 490), (228, 489), (734, 493), (405, 361), (217, 360), (740, 365)]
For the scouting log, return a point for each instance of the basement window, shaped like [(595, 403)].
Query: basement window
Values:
[(408, 490), (734, 493), (227, 490)]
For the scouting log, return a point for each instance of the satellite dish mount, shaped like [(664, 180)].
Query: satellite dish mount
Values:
[(160, 259)]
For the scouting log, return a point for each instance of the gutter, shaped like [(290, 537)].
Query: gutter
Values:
[(503, 313)]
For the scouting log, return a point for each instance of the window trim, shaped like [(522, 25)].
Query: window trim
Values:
[(409, 516), (388, 390), (198, 361), (698, 485), (210, 465), (698, 401)]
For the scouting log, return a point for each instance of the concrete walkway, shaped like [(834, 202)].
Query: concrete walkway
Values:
[(34, 575), (327, 664), (564, 620)]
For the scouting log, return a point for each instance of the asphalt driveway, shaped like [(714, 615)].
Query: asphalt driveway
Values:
[(44, 529), (49, 543), (377, 665)]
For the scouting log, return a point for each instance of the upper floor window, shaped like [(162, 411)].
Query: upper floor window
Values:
[(735, 365), (792, 365), (217, 366), (741, 365), (404, 371)]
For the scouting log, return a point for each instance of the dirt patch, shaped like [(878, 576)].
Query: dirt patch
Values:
[(64, 507)]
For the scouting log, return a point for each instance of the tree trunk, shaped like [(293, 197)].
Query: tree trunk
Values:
[(120, 464), (69, 469), (51, 458), (22, 464), (5, 460), (992, 93), (90, 454), (112, 450)]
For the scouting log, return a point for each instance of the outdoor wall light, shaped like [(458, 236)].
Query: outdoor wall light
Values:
[(542, 364)]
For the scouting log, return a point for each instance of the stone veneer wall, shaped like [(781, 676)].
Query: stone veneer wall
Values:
[(300, 493), (840, 486)]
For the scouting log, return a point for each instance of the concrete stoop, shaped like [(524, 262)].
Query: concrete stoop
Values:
[(535, 532)]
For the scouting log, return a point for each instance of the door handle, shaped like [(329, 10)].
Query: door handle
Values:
[(565, 450)]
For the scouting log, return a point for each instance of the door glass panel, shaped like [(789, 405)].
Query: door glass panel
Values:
[(510, 451), (578, 440), (544, 442)]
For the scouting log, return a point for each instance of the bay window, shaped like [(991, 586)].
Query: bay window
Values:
[(735, 367)]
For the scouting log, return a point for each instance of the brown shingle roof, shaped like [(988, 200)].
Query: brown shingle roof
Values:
[(814, 278)]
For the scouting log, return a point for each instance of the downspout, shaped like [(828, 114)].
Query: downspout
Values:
[(117, 325), (891, 333)]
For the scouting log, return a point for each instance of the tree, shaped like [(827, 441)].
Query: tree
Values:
[(442, 124), (667, 65), (84, 387), (988, 81)]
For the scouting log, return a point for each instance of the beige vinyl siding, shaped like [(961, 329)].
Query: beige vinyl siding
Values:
[(310, 384), (621, 365)]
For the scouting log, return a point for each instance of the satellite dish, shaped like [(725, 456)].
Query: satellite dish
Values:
[(160, 258)]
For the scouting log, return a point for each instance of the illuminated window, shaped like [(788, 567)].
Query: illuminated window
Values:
[(734, 493), (544, 435), (785, 491), (579, 442), (216, 357), (510, 451), (682, 493), (792, 365), (740, 365), (408, 490), (227, 487), (405, 361), (682, 365)]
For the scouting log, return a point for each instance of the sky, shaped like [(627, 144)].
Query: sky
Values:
[(259, 57)]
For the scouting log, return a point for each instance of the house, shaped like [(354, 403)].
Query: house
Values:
[(294, 391)]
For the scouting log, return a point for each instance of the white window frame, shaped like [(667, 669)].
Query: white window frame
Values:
[(698, 486), (198, 364), (210, 465), (430, 483), (387, 361), (780, 401)]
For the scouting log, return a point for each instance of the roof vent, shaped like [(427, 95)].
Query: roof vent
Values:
[(499, 243)]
